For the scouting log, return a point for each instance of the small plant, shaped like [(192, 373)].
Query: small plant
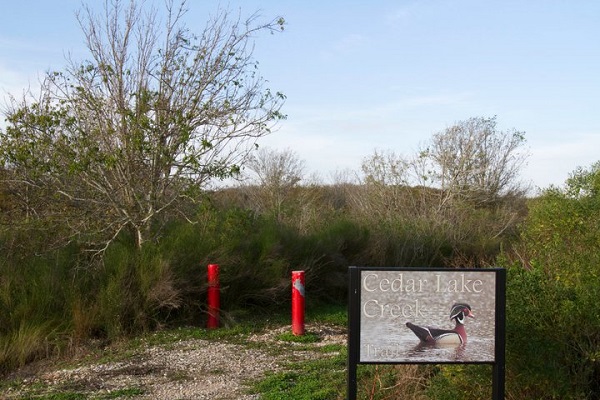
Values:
[(315, 379), (308, 337), (63, 396)]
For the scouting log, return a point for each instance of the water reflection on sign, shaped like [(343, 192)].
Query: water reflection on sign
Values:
[(389, 299)]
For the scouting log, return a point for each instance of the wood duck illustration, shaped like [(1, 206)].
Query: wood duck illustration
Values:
[(458, 335)]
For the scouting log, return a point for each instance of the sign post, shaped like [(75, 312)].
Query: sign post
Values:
[(426, 316)]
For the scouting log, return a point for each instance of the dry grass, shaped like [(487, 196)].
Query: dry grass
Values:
[(387, 382)]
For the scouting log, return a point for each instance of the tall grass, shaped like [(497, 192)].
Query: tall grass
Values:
[(49, 297), (29, 341), (34, 297), (64, 294)]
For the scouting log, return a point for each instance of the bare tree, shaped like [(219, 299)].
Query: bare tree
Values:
[(272, 175), (113, 143), (428, 200), (385, 168), (475, 160), (385, 179)]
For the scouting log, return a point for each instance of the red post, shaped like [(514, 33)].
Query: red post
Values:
[(213, 296), (298, 303)]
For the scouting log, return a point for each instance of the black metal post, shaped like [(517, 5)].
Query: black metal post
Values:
[(498, 379), (353, 330)]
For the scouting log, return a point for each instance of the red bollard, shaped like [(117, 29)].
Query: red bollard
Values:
[(213, 296), (298, 303)]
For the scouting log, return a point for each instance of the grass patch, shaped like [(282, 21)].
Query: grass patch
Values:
[(60, 396), (321, 376), (128, 348), (336, 314), (317, 379), (42, 393), (308, 337), (331, 348)]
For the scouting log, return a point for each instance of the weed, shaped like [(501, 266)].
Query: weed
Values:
[(328, 313), (308, 337), (331, 348), (314, 379), (60, 396)]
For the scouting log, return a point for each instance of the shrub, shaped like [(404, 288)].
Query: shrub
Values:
[(554, 313)]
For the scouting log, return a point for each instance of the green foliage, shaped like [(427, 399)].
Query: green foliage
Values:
[(33, 295), (317, 379), (64, 296), (26, 343), (67, 295), (308, 337), (460, 382), (135, 289), (65, 396), (553, 313), (328, 312), (535, 322), (71, 395), (553, 298), (120, 141)]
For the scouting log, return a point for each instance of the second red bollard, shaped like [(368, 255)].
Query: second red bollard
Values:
[(298, 303), (213, 296)]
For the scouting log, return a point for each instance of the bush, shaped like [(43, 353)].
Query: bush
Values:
[(553, 308), (67, 295)]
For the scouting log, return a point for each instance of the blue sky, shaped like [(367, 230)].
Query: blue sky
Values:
[(366, 75)]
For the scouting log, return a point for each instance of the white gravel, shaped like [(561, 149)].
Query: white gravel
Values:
[(189, 369)]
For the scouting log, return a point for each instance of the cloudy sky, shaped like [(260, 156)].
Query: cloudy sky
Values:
[(366, 75)]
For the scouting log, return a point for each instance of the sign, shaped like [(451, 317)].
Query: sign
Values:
[(407, 315)]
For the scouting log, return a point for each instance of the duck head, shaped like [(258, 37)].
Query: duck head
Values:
[(460, 311)]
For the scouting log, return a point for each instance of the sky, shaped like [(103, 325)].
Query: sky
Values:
[(361, 76)]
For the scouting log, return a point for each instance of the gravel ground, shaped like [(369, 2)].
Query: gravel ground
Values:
[(185, 369)]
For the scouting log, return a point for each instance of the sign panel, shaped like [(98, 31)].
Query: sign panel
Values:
[(433, 316), (427, 316)]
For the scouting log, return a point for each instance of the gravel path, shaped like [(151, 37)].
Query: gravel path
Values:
[(185, 369)]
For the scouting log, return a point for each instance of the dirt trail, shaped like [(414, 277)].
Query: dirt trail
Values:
[(184, 369)]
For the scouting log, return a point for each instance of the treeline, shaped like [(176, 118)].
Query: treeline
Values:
[(54, 300), (59, 288), (71, 292)]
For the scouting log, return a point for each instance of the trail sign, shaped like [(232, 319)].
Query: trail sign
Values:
[(432, 316)]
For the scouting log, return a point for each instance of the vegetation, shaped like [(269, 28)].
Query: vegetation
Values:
[(320, 379), (55, 301), (122, 141), (555, 291), (115, 154)]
